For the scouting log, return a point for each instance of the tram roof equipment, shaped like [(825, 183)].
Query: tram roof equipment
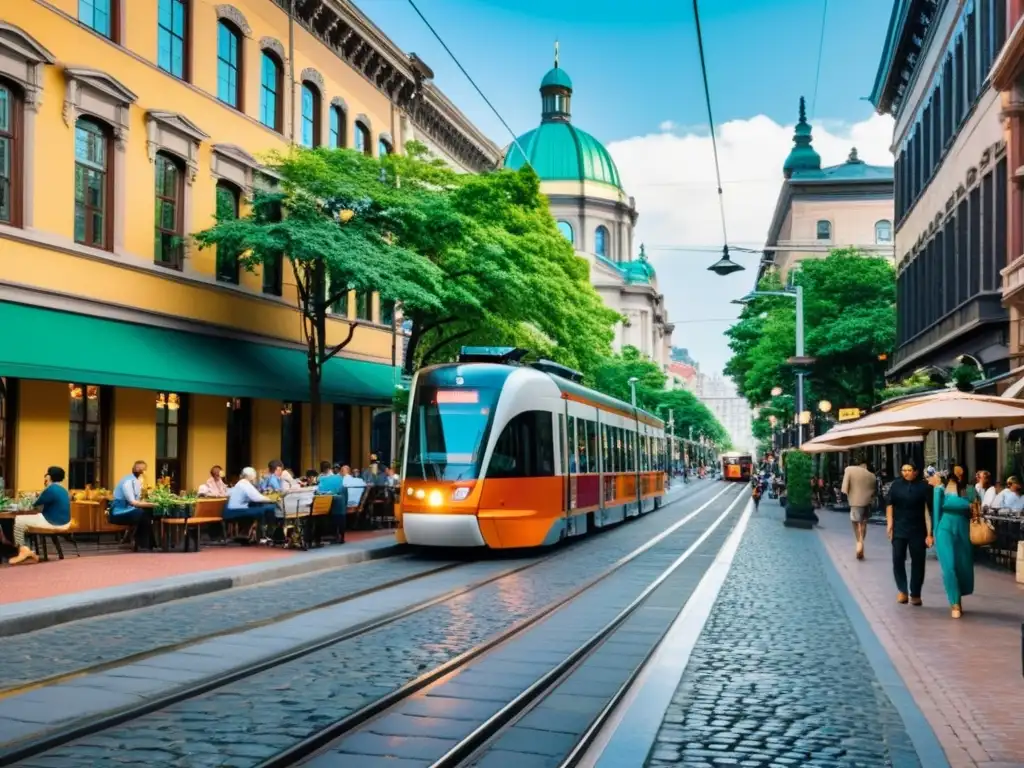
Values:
[(549, 366), (499, 355)]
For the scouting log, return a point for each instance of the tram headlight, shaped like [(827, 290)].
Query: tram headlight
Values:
[(460, 494), (435, 499), (421, 494), (410, 492)]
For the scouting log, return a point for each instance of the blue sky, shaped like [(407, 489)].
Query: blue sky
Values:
[(633, 71), (637, 88)]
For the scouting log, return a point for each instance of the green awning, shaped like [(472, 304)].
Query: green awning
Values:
[(62, 346)]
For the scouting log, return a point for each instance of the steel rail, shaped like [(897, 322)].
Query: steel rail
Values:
[(346, 725)]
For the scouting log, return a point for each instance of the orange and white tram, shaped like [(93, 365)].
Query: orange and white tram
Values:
[(504, 455)]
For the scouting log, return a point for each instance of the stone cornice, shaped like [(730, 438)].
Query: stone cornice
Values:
[(1010, 60), (403, 78)]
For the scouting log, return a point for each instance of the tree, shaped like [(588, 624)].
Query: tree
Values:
[(687, 411), (509, 276), (849, 321), (334, 218), (611, 376)]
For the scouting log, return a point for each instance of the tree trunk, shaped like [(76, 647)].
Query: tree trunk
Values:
[(410, 354), (317, 303)]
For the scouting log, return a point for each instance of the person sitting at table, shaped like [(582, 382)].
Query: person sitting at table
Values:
[(54, 514), (246, 503), (214, 486), (126, 507)]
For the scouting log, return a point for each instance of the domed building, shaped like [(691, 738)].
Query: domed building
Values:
[(595, 214)]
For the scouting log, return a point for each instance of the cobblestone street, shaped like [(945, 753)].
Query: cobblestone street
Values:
[(779, 675)]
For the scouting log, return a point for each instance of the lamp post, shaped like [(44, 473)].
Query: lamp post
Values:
[(632, 389), (799, 360)]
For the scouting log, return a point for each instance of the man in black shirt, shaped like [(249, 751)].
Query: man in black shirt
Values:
[(909, 524)]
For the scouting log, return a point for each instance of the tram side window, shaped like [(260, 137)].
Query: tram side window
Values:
[(620, 448), (525, 447), (645, 453), (630, 459), (606, 452), (562, 445), (581, 446), (593, 445), (574, 466)]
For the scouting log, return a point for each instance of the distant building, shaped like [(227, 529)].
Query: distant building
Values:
[(820, 209), (682, 376), (951, 183), (596, 215), (732, 411)]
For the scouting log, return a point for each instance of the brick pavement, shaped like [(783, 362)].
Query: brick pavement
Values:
[(114, 568), (784, 672), (965, 675)]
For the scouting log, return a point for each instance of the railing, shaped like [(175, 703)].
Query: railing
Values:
[(1003, 551)]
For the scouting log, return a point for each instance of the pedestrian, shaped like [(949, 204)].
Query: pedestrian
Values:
[(953, 539), (859, 485), (908, 523), (756, 495)]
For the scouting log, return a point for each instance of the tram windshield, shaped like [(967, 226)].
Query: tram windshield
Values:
[(448, 433)]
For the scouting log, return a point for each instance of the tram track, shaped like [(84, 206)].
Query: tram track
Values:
[(60, 736)]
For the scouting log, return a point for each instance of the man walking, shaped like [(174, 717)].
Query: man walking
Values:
[(859, 485), (909, 525)]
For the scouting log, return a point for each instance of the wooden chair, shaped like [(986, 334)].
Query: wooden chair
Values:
[(39, 536), (207, 512)]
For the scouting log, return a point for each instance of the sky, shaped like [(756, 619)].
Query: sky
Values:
[(638, 89)]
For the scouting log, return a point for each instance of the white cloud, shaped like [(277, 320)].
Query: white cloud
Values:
[(672, 176), (666, 125)]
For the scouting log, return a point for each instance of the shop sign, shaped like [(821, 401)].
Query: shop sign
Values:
[(848, 414)]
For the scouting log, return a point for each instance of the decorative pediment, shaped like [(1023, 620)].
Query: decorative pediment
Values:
[(313, 76), (366, 122), (273, 45), (236, 153), (22, 59), (339, 102), (233, 164), (174, 133), (232, 14), (92, 92)]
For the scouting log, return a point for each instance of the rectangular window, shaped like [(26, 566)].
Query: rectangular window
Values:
[(91, 184), (8, 406), (999, 216), (1000, 27), (227, 210), (985, 34), (337, 128), (168, 238), (949, 267), (961, 85), (171, 428), (948, 99), (989, 266), (85, 449), (273, 266), (270, 92), (387, 312), (936, 139), (228, 65), (962, 253), (364, 305), (239, 436), (975, 236), (170, 37), (972, 57), (10, 120), (98, 16)]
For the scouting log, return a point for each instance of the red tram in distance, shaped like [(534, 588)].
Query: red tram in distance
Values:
[(737, 466), (500, 454)]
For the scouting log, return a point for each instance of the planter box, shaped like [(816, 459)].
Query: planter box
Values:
[(800, 517)]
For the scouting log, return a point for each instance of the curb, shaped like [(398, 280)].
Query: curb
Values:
[(19, 618)]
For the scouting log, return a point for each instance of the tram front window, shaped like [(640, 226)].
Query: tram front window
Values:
[(448, 432)]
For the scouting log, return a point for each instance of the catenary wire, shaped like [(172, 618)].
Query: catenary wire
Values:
[(472, 82), (821, 48), (711, 121)]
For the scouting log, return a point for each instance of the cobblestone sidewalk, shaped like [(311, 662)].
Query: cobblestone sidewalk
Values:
[(779, 675)]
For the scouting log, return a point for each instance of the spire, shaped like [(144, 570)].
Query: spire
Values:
[(643, 253), (802, 157), (556, 54), (854, 159)]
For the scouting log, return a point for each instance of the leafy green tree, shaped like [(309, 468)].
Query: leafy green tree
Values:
[(611, 376), (687, 411), (334, 219), (849, 321)]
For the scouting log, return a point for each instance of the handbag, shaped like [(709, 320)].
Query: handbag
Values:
[(983, 533)]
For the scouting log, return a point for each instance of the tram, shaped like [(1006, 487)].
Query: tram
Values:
[(737, 466), (501, 454)]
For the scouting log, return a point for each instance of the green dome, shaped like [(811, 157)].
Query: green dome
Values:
[(802, 157), (639, 271), (556, 77), (559, 151)]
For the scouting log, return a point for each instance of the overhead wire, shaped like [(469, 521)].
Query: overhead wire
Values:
[(434, 32), (821, 48), (711, 121)]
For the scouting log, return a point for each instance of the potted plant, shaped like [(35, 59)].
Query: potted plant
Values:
[(799, 505)]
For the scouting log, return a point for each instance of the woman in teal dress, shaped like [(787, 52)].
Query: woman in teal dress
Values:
[(952, 510)]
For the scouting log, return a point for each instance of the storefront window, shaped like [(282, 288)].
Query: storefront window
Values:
[(239, 436), (7, 395), (171, 422), (291, 438), (86, 436)]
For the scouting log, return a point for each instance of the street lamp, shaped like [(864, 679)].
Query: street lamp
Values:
[(799, 360), (725, 266), (632, 389)]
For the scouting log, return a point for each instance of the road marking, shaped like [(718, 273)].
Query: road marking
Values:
[(632, 729)]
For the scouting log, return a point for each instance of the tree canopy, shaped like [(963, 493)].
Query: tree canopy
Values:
[(849, 321)]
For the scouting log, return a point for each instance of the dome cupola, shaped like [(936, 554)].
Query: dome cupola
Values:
[(802, 157), (556, 94)]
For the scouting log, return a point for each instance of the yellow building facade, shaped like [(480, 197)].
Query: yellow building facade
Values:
[(127, 126)]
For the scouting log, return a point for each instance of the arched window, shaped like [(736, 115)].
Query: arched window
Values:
[(271, 113), (824, 230), (363, 139), (310, 115), (171, 32), (383, 148), (883, 231), (170, 192), (10, 155), (566, 229), (229, 64), (93, 184), (229, 199), (601, 242), (337, 127)]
